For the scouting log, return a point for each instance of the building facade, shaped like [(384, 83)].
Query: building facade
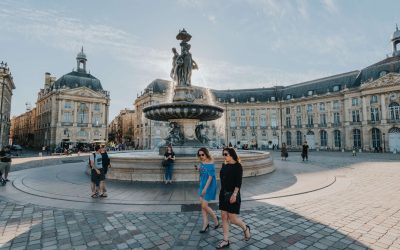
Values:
[(358, 109), (121, 128), (7, 87), (71, 109)]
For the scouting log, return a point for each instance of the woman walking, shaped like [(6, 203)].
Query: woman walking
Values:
[(208, 187), (169, 158), (229, 196), (284, 152)]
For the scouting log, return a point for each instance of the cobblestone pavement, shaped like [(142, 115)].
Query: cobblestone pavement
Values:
[(360, 210)]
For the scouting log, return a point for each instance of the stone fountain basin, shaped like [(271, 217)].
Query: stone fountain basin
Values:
[(146, 166), (182, 110)]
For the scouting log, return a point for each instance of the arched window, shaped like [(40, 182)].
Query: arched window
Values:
[(288, 138), (324, 138), (376, 138), (394, 109), (299, 138), (356, 138), (336, 135)]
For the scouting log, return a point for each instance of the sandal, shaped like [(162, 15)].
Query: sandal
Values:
[(244, 231), (218, 225), (103, 195), (222, 245), (95, 195)]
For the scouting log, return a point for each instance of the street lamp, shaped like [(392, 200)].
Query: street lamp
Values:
[(150, 95), (384, 144), (3, 67), (226, 124)]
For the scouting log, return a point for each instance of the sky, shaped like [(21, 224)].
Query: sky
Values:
[(237, 44)]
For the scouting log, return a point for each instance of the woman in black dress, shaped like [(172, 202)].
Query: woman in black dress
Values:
[(229, 196)]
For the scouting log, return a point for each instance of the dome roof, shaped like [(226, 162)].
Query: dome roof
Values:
[(81, 55), (76, 79)]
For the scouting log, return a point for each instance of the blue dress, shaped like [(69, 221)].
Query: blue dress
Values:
[(206, 170)]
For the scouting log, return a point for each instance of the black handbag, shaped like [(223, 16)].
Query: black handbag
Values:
[(227, 197)]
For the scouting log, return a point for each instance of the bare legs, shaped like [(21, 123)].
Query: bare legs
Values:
[(205, 211), (228, 218)]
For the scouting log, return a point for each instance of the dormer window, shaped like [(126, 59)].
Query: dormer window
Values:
[(273, 98), (310, 92), (252, 99), (232, 99), (382, 73), (288, 96), (336, 88)]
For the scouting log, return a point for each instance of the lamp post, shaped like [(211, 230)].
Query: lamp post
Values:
[(1, 113), (150, 95), (384, 144), (226, 124)]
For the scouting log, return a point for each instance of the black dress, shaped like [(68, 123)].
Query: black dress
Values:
[(231, 177)]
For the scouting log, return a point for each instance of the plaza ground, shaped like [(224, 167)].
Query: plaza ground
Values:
[(333, 201)]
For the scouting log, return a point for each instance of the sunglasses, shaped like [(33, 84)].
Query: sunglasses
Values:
[(225, 154), (201, 154)]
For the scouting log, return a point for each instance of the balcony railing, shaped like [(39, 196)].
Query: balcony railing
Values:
[(82, 124), (322, 125), (337, 124), (310, 125), (66, 123), (298, 126)]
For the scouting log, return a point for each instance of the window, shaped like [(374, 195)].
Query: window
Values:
[(298, 109), (298, 121), (233, 113), (336, 88), (243, 121), (288, 97), (299, 138), (322, 119), (96, 119), (67, 104), (337, 138), (324, 138), (310, 92), (322, 106), (288, 123), (243, 112), (263, 120), (374, 114), (336, 105), (356, 115), (82, 133), (233, 122), (252, 122), (382, 73), (394, 109), (309, 107), (274, 122), (97, 106), (252, 112), (288, 138), (272, 98), (376, 138), (310, 120), (374, 99), (336, 118), (67, 117), (356, 138), (354, 101), (232, 99), (288, 111)]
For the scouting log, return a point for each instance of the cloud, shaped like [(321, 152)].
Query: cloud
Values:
[(330, 6)]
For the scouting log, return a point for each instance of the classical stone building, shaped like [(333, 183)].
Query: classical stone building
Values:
[(71, 109), (7, 87), (358, 109), (121, 128)]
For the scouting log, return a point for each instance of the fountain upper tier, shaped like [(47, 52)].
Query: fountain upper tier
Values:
[(183, 110)]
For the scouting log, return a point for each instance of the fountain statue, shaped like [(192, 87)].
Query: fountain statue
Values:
[(183, 114), (186, 131)]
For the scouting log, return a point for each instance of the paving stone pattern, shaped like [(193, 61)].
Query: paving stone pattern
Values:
[(360, 211)]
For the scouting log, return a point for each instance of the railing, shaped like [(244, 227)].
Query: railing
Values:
[(322, 125)]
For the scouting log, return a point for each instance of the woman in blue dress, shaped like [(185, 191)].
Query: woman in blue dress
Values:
[(208, 187)]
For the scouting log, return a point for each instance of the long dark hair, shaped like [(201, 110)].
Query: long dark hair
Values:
[(232, 153), (169, 146), (206, 152)]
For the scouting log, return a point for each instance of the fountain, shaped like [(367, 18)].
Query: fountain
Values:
[(185, 135)]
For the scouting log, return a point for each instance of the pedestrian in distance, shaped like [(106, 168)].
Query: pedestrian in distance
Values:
[(229, 197), (284, 152), (207, 188), (95, 164), (304, 151), (169, 158)]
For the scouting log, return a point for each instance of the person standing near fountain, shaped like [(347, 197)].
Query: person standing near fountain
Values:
[(208, 187), (229, 197), (169, 158)]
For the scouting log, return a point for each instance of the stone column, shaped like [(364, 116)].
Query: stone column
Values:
[(364, 110), (383, 109)]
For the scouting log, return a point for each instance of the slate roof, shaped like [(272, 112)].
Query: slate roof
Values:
[(77, 79)]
